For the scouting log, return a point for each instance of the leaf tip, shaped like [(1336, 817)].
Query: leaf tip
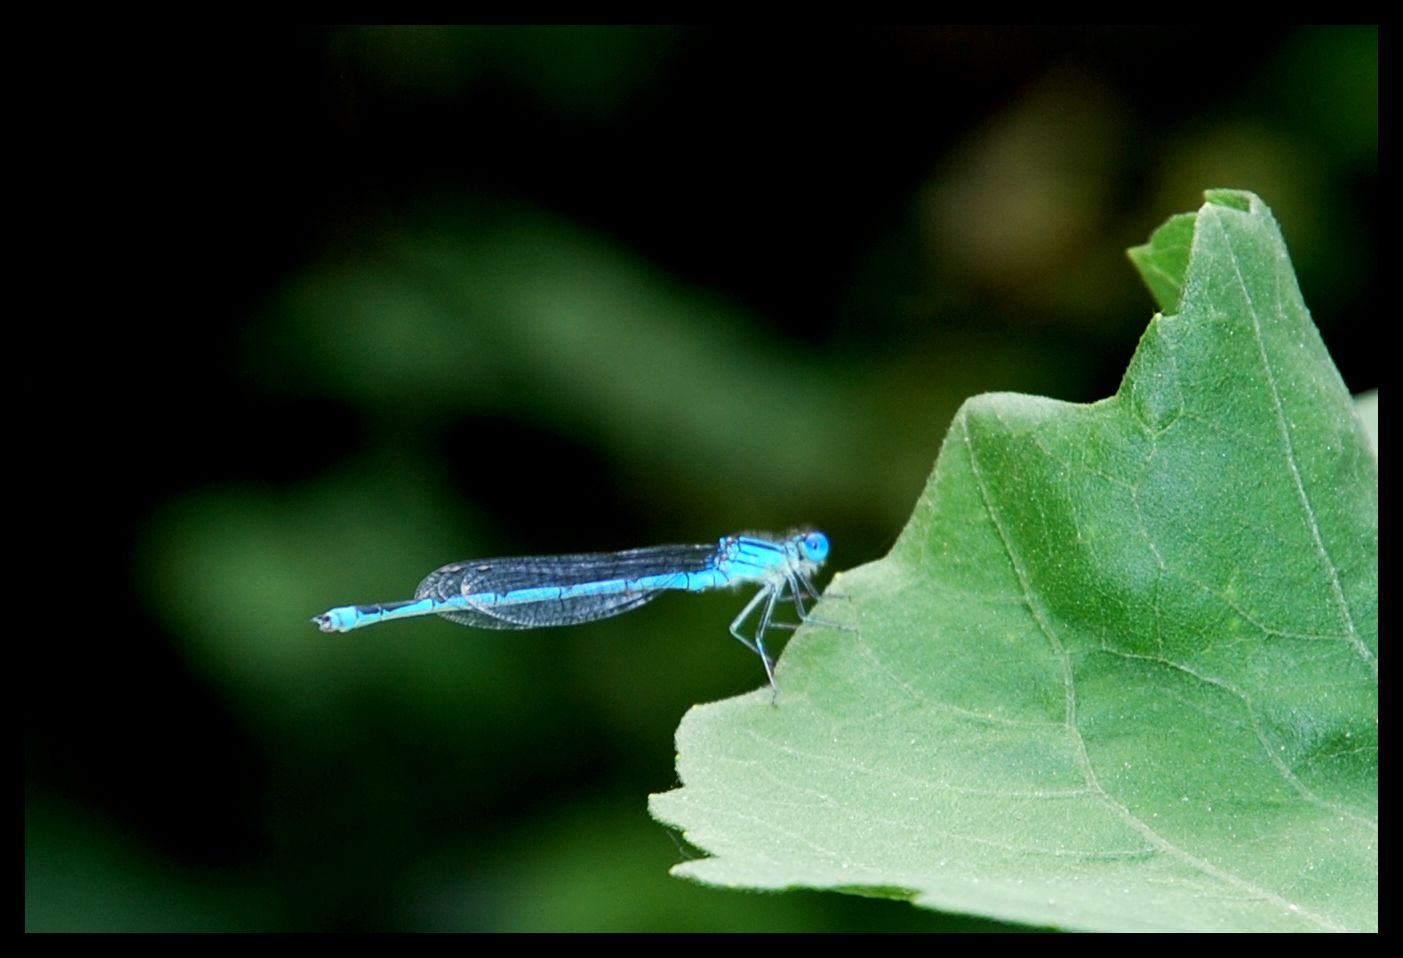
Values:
[(1244, 201)]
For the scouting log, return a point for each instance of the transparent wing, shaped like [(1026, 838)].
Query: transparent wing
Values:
[(486, 581)]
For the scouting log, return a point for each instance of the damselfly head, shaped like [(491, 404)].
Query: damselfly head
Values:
[(814, 546)]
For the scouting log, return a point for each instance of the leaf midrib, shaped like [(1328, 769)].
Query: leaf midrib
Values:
[(1289, 450)]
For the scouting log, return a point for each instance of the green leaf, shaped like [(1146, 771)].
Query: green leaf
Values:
[(1366, 406), (1120, 671), (1164, 260)]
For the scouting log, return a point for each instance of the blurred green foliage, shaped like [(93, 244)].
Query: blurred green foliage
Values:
[(401, 296)]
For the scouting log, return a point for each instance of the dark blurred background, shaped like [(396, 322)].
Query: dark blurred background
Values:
[(340, 305)]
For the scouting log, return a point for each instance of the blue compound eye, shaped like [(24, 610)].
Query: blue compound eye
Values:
[(816, 546)]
